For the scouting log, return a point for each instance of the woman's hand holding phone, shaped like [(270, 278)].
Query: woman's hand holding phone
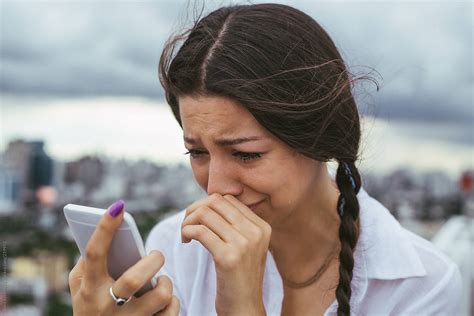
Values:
[(238, 240), (90, 282)]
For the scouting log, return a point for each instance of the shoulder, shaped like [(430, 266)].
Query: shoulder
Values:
[(433, 259), (443, 277), (187, 264), (440, 290), (165, 236), (417, 276), (165, 233), (435, 288)]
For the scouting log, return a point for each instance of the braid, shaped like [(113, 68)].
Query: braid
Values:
[(349, 182)]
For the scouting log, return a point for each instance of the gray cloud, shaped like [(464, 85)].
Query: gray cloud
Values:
[(422, 51), (83, 48)]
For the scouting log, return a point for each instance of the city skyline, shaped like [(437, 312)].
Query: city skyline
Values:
[(147, 130)]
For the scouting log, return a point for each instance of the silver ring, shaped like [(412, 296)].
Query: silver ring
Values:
[(119, 300)]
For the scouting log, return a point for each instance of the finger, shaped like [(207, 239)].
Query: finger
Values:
[(245, 210), (98, 246), (206, 237), (243, 219), (258, 229), (75, 277), (215, 222), (226, 208), (138, 275), (172, 309), (157, 299), (222, 206), (195, 205)]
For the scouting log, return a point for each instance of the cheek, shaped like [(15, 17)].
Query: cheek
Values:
[(284, 195), (276, 183), (289, 184), (200, 175)]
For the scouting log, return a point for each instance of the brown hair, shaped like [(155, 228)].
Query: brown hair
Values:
[(282, 66)]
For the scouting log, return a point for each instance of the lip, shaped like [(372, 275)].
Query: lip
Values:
[(254, 205)]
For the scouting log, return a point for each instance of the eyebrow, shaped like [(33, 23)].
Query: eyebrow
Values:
[(225, 141)]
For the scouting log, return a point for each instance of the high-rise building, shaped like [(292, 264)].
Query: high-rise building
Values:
[(24, 167)]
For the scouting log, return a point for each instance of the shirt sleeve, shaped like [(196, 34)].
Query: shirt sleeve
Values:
[(163, 238), (442, 299)]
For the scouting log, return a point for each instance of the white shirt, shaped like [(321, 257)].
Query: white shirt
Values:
[(396, 272)]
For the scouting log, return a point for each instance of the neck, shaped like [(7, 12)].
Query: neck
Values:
[(301, 243)]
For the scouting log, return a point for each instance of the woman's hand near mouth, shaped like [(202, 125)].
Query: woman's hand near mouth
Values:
[(238, 240)]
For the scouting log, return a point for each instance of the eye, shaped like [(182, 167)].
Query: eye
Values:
[(194, 153), (247, 156), (244, 156)]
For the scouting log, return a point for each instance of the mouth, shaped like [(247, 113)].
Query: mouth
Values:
[(255, 205)]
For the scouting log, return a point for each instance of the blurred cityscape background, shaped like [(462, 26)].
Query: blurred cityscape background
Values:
[(83, 120)]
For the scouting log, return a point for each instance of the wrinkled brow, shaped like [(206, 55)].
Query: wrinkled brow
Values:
[(225, 141)]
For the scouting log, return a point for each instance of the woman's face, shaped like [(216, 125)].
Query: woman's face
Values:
[(231, 153)]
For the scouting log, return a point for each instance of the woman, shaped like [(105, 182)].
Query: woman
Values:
[(264, 100)]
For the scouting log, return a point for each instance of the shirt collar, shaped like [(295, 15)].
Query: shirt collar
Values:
[(388, 251)]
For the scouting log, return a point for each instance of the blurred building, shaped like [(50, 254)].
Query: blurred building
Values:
[(466, 188), (88, 172), (10, 183), (27, 181), (466, 182), (53, 267), (40, 171), (32, 292), (14, 176)]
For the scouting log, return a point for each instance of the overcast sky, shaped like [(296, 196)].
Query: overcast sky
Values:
[(72, 50)]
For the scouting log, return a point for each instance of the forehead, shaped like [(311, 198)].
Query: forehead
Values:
[(216, 116)]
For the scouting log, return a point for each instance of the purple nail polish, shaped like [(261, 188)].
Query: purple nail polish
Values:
[(116, 208)]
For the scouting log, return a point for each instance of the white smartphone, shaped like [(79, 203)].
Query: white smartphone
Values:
[(127, 245)]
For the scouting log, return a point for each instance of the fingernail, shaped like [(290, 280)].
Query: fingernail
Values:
[(116, 208)]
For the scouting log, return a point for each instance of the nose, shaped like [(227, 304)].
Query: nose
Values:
[(222, 178)]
